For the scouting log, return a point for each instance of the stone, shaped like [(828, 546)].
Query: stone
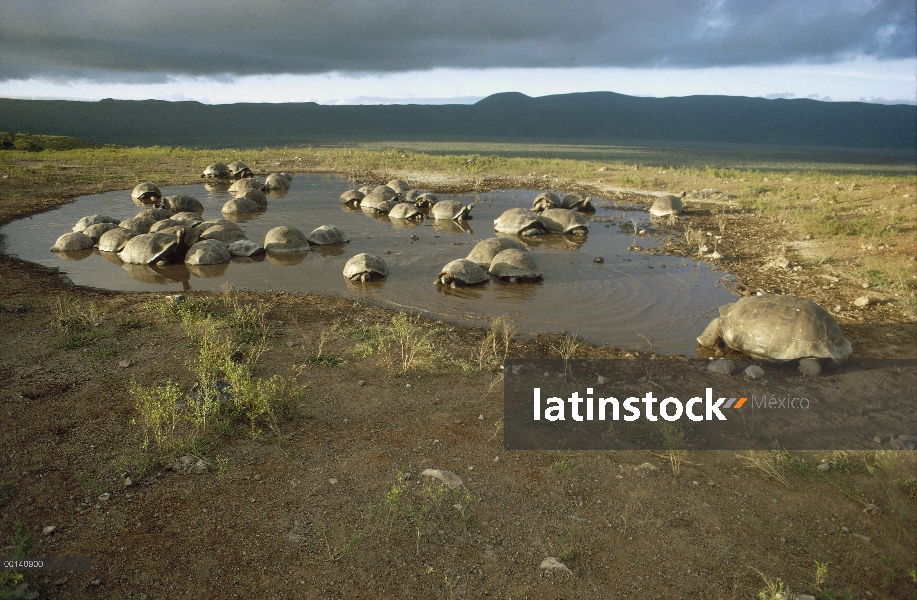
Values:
[(646, 467), (104, 497), (447, 477), (128, 482), (824, 467), (809, 367), (861, 301), (877, 439), (48, 530), (124, 363), (551, 565), (603, 380), (723, 366), (754, 372)]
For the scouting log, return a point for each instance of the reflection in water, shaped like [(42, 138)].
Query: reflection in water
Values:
[(329, 251), (111, 257), (406, 223), (384, 218), (145, 273), (215, 187), (208, 271), (452, 227), (286, 259), (553, 240), (365, 286), (278, 194), (464, 292), (75, 255), (244, 217), (248, 260), (517, 291)]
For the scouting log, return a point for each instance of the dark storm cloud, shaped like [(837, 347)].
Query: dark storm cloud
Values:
[(143, 40)]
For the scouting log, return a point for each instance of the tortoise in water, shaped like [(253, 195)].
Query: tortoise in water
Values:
[(545, 200), (425, 200), (327, 235), (514, 266), (564, 220), (485, 251), (139, 224), (240, 170), (156, 213), (85, 222), (366, 190), (148, 248), (183, 204), (74, 240), (187, 218), (519, 221), (578, 203), (165, 223), (207, 252), (399, 185), (410, 196), (245, 248), (285, 239), (352, 198), (217, 171), (451, 210), (365, 267), (238, 188), (115, 239), (462, 272), (96, 231), (226, 232), (241, 205), (256, 196), (667, 205), (276, 181), (404, 210), (146, 192), (381, 199), (780, 328)]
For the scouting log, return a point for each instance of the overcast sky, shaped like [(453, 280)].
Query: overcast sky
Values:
[(434, 51)]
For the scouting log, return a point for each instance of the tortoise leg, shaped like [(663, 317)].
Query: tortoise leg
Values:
[(711, 333)]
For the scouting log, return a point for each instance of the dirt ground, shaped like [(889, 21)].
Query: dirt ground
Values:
[(333, 505)]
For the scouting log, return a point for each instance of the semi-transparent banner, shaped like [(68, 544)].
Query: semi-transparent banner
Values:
[(670, 404)]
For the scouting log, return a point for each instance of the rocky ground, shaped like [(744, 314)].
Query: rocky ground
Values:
[(333, 502)]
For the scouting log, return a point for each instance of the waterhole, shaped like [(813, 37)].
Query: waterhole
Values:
[(630, 299)]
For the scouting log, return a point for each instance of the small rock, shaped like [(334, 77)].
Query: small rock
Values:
[(865, 285), (128, 482), (723, 366), (641, 380), (104, 497), (124, 363), (860, 536), (838, 308), (48, 530), (551, 565), (754, 372), (408, 385), (480, 417), (447, 477), (598, 259), (515, 369), (695, 483), (647, 467), (332, 481), (603, 380), (810, 367), (61, 581), (95, 582), (861, 301), (845, 530), (361, 383), (779, 263), (877, 439), (824, 467)]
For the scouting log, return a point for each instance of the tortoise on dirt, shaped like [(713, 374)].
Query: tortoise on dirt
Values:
[(239, 187), (207, 252), (545, 200), (241, 205), (115, 239), (485, 251), (74, 240), (667, 205), (285, 239), (578, 203), (96, 231), (451, 210), (93, 220), (352, 198), (404, 210), (146, 192), (462, 272), (183, 204), (781, 328), (217, 171), (564, 220), (514, 266), (148, 248), (276, 181), (365, 267), (240, 170), (519, 221), (327, 235), (399, 185)]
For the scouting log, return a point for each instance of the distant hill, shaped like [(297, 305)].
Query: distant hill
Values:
[(36, 143), (595, 117)]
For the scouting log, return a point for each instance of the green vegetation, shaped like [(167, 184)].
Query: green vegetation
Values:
[(28, 142)]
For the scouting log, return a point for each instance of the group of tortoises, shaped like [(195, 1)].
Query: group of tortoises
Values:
[(399, 201), (501, 258)]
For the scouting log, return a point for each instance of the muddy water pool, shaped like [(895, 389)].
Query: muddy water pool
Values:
[(629, 300)]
